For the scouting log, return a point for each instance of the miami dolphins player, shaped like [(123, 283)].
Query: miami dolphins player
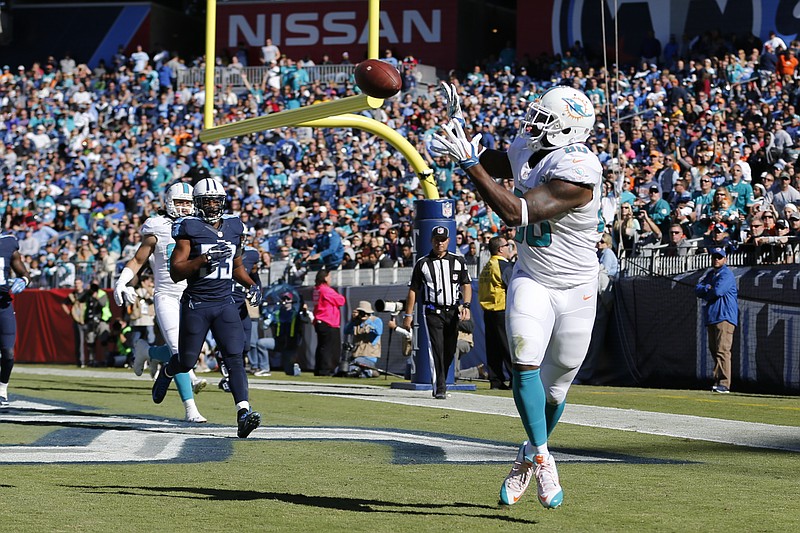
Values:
[(157, 245), (550, 307), (208, 255), (10, 262)]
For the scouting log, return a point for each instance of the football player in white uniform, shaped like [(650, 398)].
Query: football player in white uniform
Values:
[(550, 307), (157, 245)]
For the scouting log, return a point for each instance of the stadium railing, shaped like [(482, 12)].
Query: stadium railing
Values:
[(226, 76)]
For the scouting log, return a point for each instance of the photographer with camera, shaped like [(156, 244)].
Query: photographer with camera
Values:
[(366, 330), (90, 312)]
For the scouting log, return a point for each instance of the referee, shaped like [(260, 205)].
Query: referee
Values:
[(442, 280)]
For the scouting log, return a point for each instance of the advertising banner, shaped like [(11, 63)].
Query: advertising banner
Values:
[(425, 30)]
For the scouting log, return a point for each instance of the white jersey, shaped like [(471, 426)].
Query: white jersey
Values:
[(560, 252), (161, 227)]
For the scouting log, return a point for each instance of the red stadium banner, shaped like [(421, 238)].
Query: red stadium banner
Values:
[(310, 29), (44, 331)]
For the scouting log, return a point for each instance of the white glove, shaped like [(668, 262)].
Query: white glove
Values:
[(456, 146), (453, 102), (122, 292)]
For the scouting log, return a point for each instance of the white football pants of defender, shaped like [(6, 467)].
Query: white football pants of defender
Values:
[(550, 328), (168, 311)]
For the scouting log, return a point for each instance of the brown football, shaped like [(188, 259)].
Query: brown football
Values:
[(377, 78)]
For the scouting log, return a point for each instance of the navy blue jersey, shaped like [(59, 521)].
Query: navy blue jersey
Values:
[(207, 285), (249, 259), (8, 245)]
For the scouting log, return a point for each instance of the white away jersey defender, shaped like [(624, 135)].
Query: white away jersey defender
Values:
[(161, 227), (560, 252)]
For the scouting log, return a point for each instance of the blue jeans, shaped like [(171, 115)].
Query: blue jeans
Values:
[(259, 351), (365, 372)]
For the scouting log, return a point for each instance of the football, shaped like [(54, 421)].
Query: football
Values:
[(378, 79)]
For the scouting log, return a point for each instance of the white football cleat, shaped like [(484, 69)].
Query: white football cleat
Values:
[(199, 385), (196, 418), (141, 353), (547, 484), (517, 481)]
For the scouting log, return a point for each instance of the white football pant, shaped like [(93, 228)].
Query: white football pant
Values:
[(551, 329)]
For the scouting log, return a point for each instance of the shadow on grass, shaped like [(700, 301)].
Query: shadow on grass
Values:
[(322, 502), (83, 388)]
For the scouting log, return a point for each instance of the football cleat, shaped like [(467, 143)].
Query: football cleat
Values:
[(198, 385), (196, 418), (141, 353), (4, 401), (248, 421), (161, 385), (547, 484), (262, 373), (517, 481)]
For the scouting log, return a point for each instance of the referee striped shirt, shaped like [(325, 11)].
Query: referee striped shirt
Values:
[(439, 280)]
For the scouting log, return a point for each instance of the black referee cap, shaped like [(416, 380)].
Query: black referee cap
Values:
[(440, 232)]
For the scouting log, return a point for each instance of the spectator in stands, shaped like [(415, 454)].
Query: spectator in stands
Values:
[(328, 249), (739, 187), (658, 210), (626, 229), (269, 52), (718, 289), (783, 193), (677, 245)]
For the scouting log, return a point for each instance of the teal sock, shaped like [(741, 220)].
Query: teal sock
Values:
[(552, 413), (530, 400), (184, 384), (160, 353)]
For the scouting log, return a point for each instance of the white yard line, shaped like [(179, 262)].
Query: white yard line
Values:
[(671, 425)]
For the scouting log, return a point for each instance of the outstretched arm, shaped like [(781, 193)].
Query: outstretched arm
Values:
[(541, 203), (537, 204)]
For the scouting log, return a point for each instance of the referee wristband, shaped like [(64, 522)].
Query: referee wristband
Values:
[(406, 315)]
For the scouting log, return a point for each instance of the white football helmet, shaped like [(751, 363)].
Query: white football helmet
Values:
[(209, 199), (183, 193), (561, 116)]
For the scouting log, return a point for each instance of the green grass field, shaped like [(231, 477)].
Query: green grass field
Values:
[(648, 482)]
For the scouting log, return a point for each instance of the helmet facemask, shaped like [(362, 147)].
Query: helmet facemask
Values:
[(210, 207)]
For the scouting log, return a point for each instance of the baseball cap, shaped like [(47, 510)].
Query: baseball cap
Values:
[(440, 232), (287, 297), (718, 251)]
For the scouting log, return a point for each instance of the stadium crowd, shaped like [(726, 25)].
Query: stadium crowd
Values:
[(698, 146)]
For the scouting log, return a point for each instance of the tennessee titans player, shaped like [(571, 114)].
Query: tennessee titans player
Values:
[(208, 255), (9, 260)]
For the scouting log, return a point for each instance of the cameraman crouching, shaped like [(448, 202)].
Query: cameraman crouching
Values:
[(366, 330)]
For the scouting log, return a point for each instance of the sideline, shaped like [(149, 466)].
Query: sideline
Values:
[(733, 432)]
